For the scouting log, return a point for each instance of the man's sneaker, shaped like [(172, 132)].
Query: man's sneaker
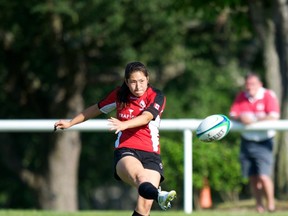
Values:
[(164, 199)]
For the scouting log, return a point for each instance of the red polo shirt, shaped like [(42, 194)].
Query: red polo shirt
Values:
[(265, 103)]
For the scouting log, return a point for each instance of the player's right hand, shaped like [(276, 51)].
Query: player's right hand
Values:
[(62, 124)]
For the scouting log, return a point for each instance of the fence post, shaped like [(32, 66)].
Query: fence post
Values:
[(188, 172)]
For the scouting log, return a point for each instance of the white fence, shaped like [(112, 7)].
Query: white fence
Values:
[(187, 126)]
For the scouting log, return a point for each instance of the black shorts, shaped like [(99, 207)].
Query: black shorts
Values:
[(149, 160)]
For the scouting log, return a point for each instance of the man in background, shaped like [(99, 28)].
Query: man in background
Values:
[(255, 104)]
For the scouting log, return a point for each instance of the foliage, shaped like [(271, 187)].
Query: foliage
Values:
[(96, 166), (216, 161), (172, 156), (192, 93), (192, 56)]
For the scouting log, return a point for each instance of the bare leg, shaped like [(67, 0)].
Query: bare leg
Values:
[(131, 171), (268, 189), (257, 190)]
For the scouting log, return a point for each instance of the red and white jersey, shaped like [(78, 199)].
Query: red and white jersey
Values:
[(265, 103), (146, 137)]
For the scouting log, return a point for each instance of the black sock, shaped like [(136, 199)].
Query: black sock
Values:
[(148, 191), (135, 213)]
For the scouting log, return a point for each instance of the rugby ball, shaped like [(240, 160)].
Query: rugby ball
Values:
[(213, 128)]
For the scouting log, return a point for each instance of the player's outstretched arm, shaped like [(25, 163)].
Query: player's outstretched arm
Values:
[(88, 113)]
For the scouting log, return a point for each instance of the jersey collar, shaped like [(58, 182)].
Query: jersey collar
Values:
[(259, 95)]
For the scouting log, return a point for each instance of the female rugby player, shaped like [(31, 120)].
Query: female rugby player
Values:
[(137, 151)]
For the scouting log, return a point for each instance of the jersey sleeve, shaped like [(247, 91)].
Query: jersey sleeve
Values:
[(272, 104), (235, 107), (157, 105), (108, 104)]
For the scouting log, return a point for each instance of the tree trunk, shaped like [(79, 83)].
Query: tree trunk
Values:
[(282, 153), (265, 28), (60, 190), (271, 24), (62, 174), (271, 60)]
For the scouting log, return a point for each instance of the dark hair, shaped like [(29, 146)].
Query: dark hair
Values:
[(123, 93), (252, 74)]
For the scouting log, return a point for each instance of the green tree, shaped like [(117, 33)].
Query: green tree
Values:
[(59, 56), (56, 51), (270, 22)]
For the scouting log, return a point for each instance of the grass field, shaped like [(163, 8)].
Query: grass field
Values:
[(241, 208), (128, 213)]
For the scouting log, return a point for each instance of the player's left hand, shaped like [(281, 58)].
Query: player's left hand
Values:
[(116, 125)]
